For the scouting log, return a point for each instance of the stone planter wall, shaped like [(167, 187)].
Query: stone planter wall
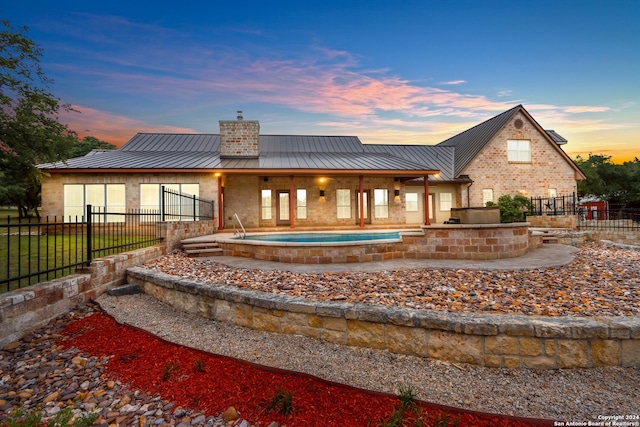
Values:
[(491, 340)]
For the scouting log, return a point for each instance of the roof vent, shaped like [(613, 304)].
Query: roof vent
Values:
[(518, 124), (240, 115)]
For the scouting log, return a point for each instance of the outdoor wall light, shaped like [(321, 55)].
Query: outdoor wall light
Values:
[(321, 193)]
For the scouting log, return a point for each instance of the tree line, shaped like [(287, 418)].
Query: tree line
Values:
[(615, 183)]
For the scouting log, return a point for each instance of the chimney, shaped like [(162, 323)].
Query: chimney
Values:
[(239, 138)]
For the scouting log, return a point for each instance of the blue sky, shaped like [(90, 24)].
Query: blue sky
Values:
[(388, 72)]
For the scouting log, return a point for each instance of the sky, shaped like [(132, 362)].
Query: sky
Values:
[(393, 72)]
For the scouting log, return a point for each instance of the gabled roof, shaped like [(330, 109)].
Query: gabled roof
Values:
[(193, 152), (469, 143)]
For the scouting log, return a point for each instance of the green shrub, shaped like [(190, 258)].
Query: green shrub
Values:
[(512, 209)]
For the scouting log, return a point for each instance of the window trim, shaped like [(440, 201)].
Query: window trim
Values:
[(514, 154)]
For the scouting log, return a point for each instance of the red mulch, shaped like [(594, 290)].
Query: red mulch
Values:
[(153, 365)]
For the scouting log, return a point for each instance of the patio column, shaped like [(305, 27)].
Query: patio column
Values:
[(361, 195), (220, 206), (292, 201), (427, 208)]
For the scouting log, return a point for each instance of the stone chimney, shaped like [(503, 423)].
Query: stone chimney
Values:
[(239, 138)]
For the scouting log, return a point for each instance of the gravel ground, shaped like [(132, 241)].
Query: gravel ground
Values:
[(577, 395), (602, 280)]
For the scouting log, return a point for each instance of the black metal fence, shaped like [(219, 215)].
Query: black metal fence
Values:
[(36, 251), (608, 216), (176, 206), (33, 252), (560, 205)]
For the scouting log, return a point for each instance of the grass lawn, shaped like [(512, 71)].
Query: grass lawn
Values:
[(27, 254)]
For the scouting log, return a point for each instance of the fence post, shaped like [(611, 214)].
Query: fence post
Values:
[(194, 207), (89, 235), (162, 205)]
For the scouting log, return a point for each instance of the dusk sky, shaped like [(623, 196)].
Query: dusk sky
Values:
[(406, 72)]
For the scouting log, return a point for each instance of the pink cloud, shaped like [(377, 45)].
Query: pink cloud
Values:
[(109, 127)]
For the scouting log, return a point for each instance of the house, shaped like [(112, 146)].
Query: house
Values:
[(304, 181)]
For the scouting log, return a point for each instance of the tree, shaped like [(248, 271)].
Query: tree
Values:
[(89, 143), (30, 132), (616, 183)]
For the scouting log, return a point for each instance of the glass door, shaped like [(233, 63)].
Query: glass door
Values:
[(367, 206), (282, 207)]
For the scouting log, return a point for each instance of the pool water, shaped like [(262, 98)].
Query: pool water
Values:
[(324, 237)]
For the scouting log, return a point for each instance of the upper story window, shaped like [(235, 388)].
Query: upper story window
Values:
[(519, 150)]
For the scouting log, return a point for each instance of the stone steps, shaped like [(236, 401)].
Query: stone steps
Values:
[(201, 248)]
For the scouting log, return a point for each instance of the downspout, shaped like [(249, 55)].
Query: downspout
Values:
[(469, 194)]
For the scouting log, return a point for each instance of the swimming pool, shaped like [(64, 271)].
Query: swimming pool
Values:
[(323, 237)]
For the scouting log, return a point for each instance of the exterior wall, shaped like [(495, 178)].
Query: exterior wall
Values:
[(239, 138), (491, 169), (53, 186), (242, 194), (441, 213), (28, 309), (492, 340)]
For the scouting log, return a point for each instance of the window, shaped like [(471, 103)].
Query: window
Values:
[(411, 202), (266, 204), (301, 203), (381, 203), (446, 201), (76, 197), (176, 208), (519, 150), (343, 203), (487, 196)]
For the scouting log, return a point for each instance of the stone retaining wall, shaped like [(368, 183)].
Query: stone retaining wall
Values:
[(482, 339), (28, 309)]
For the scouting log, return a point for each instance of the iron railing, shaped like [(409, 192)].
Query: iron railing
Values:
[(560, 205), (110, 232), (33, 252), (613, 217), (176, 206)]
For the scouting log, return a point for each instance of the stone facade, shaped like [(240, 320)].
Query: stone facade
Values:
[(492, 340), (239, 138), (477, 241), (242, 195), (28, 309), (490, 169)]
